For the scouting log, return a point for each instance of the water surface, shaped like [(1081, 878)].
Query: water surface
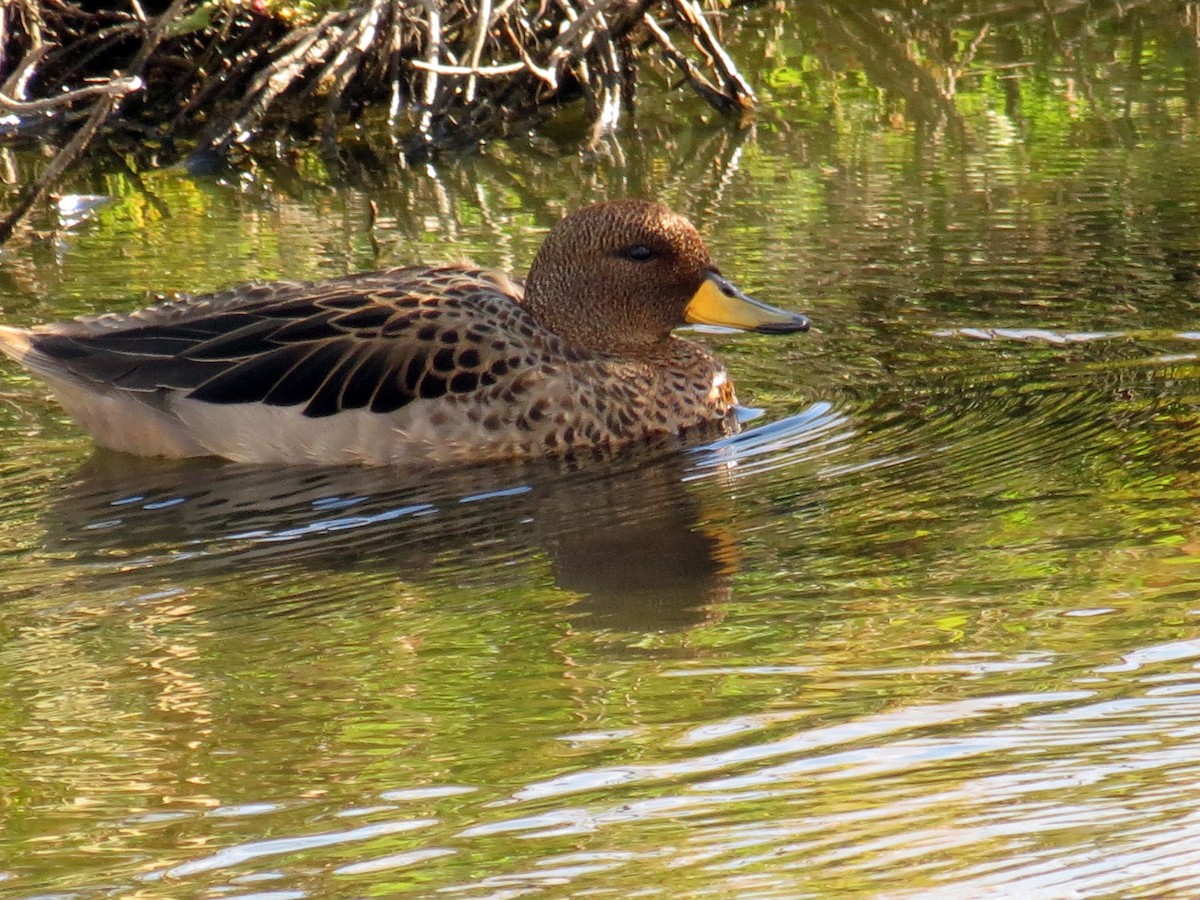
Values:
[(928, 627)]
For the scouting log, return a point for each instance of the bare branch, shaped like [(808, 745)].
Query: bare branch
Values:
[(484, 24), (699, 83), (475, 71), (736, 87), (117, 87), (432, 57)]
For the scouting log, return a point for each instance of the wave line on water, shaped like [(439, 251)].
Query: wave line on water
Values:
[(251, 850), (801, 742)]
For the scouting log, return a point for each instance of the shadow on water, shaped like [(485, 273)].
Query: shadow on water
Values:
[(641, 548)]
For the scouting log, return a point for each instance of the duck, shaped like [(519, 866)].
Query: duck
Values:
[(444, 363)]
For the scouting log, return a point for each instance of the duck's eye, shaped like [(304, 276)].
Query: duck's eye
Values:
[(639, 253)]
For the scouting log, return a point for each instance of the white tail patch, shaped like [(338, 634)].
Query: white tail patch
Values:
[(121, 421)]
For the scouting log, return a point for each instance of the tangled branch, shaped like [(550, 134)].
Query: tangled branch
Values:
[(451, 73)]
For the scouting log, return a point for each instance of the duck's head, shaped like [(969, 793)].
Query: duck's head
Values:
[(622, 274)]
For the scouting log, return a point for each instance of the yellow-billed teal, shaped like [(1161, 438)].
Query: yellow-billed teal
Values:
[(419, 363)]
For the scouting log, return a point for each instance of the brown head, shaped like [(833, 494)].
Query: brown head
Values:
[(622, 274)]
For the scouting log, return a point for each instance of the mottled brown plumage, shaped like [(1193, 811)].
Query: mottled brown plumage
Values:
[(438, 363)]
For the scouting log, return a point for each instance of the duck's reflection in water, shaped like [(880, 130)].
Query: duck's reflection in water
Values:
[(640, 549)]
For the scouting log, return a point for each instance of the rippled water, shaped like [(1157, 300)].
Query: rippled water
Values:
[(929, 626)]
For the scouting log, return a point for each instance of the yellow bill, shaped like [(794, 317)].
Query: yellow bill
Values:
[(718, 302)]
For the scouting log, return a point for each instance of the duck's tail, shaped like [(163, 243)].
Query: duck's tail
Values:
[(15, 342), (131, 421), (21, 345)]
